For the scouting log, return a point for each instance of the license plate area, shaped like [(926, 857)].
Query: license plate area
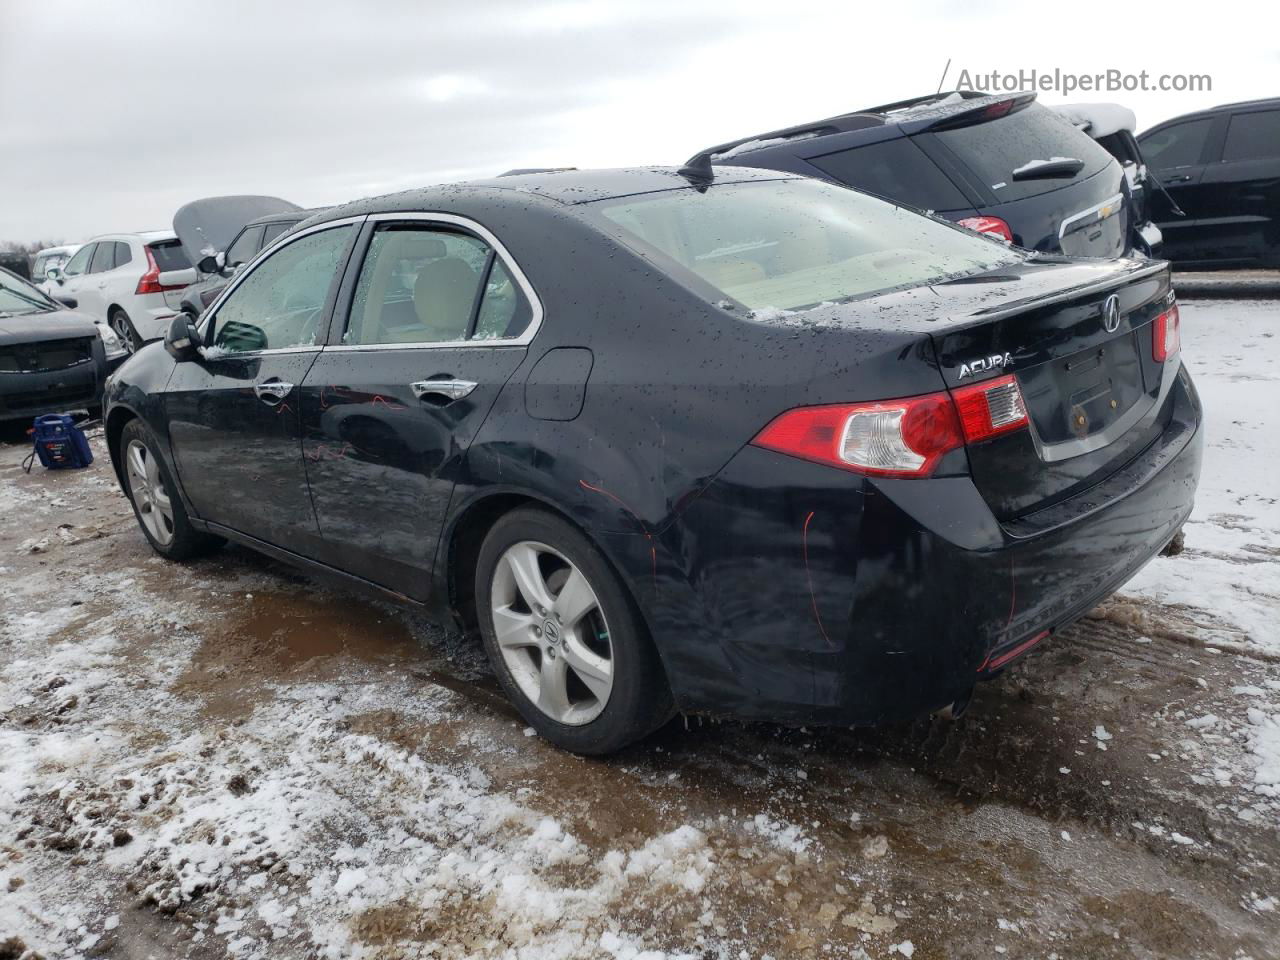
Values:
[(1077, 396)]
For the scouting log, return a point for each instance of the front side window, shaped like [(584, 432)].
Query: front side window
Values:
[(244, 246), (281, 302), (1176, 146), (1253, 135), (428, 284), (80, 262), (791, 244)]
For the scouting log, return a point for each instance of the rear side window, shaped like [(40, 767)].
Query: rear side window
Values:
[(896, 170), (1176, 146), (281, 302), (104, 257), (169, 255), (123, 254), (1253, 135), (994, 149), (790, 244), (273, 230), (425, 284)]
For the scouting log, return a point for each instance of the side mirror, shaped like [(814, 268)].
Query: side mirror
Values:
[(208, 264), (69, 302), (183, 338), (56, 275)]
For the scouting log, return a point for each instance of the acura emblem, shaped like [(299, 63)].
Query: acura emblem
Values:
[(1111, 314)]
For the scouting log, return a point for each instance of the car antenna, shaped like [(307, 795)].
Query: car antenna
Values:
[(697, 170)]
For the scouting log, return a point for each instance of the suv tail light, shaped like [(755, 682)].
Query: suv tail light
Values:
[(1166, 335), (897, 438), (992, 225), (149, 282)]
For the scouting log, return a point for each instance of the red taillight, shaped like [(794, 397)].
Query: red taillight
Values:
[(1166, 335), (990, 408), (992, 225), (149, 282), (897, 438)]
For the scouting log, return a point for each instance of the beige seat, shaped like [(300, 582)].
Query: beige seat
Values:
[(443, 296)]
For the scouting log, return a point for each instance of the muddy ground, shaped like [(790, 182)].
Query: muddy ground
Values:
[(1082, 808)]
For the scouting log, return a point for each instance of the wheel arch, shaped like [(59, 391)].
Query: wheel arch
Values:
[(118, 417), (467, 530)]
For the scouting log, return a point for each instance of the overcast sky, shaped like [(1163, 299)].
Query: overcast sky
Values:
[(112, 114)]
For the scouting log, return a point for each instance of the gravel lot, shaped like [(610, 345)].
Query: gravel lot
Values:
[(226, 759)]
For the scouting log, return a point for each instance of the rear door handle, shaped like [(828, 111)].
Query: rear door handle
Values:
[(273, 391), (1180, 178), (448, 389)]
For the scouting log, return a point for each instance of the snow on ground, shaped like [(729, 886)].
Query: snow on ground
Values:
[(1230, 571)]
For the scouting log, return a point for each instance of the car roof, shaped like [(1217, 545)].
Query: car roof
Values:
[(568, 187), (146, 236), (1214, 111), (287, 216)]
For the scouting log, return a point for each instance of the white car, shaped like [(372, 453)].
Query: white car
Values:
[(45, 260), (133, 281)]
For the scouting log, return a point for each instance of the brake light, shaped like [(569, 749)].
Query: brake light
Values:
[(897, 438), (992, 225), (149, 282), (1166, 335), (990, 408)]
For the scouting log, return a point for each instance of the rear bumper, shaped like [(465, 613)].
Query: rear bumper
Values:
[(792, 592)]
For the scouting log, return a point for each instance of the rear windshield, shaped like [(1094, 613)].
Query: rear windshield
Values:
[(994, 149), (791, 244), (169, 255)]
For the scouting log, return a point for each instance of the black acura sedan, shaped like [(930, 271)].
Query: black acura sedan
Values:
[(752, 444)]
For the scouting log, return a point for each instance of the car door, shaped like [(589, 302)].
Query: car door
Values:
[(1177, 154), (439, 317), (117, 284), (233, 414), (1244, 188), (74, 274)]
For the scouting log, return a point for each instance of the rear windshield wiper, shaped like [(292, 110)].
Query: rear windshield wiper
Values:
[(1052, 169)]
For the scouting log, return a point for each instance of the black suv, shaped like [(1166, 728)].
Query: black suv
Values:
[(1003, 165), (1222, 167)]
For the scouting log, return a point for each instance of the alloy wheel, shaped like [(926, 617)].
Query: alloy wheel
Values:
[(552, 633), (155, 508)]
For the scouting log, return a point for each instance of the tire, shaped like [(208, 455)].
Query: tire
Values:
[(156, 504), (119, 322), (581, 635)]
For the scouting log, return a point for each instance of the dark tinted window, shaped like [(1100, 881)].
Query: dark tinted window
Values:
[(273, 230), (169, 255), (1253, 135), (80, 262), (123, 254), (1176, 146), (244, 247), (896, 170), (104, 257), (994, 149)]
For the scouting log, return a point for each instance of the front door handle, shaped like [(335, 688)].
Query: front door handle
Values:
[(273, 391), (1180, 178), (448, 389)]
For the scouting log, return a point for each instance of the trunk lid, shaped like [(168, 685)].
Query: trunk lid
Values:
[(1083, 362)]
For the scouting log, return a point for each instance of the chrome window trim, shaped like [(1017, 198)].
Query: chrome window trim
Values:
[(508, 261), (211, 313)]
